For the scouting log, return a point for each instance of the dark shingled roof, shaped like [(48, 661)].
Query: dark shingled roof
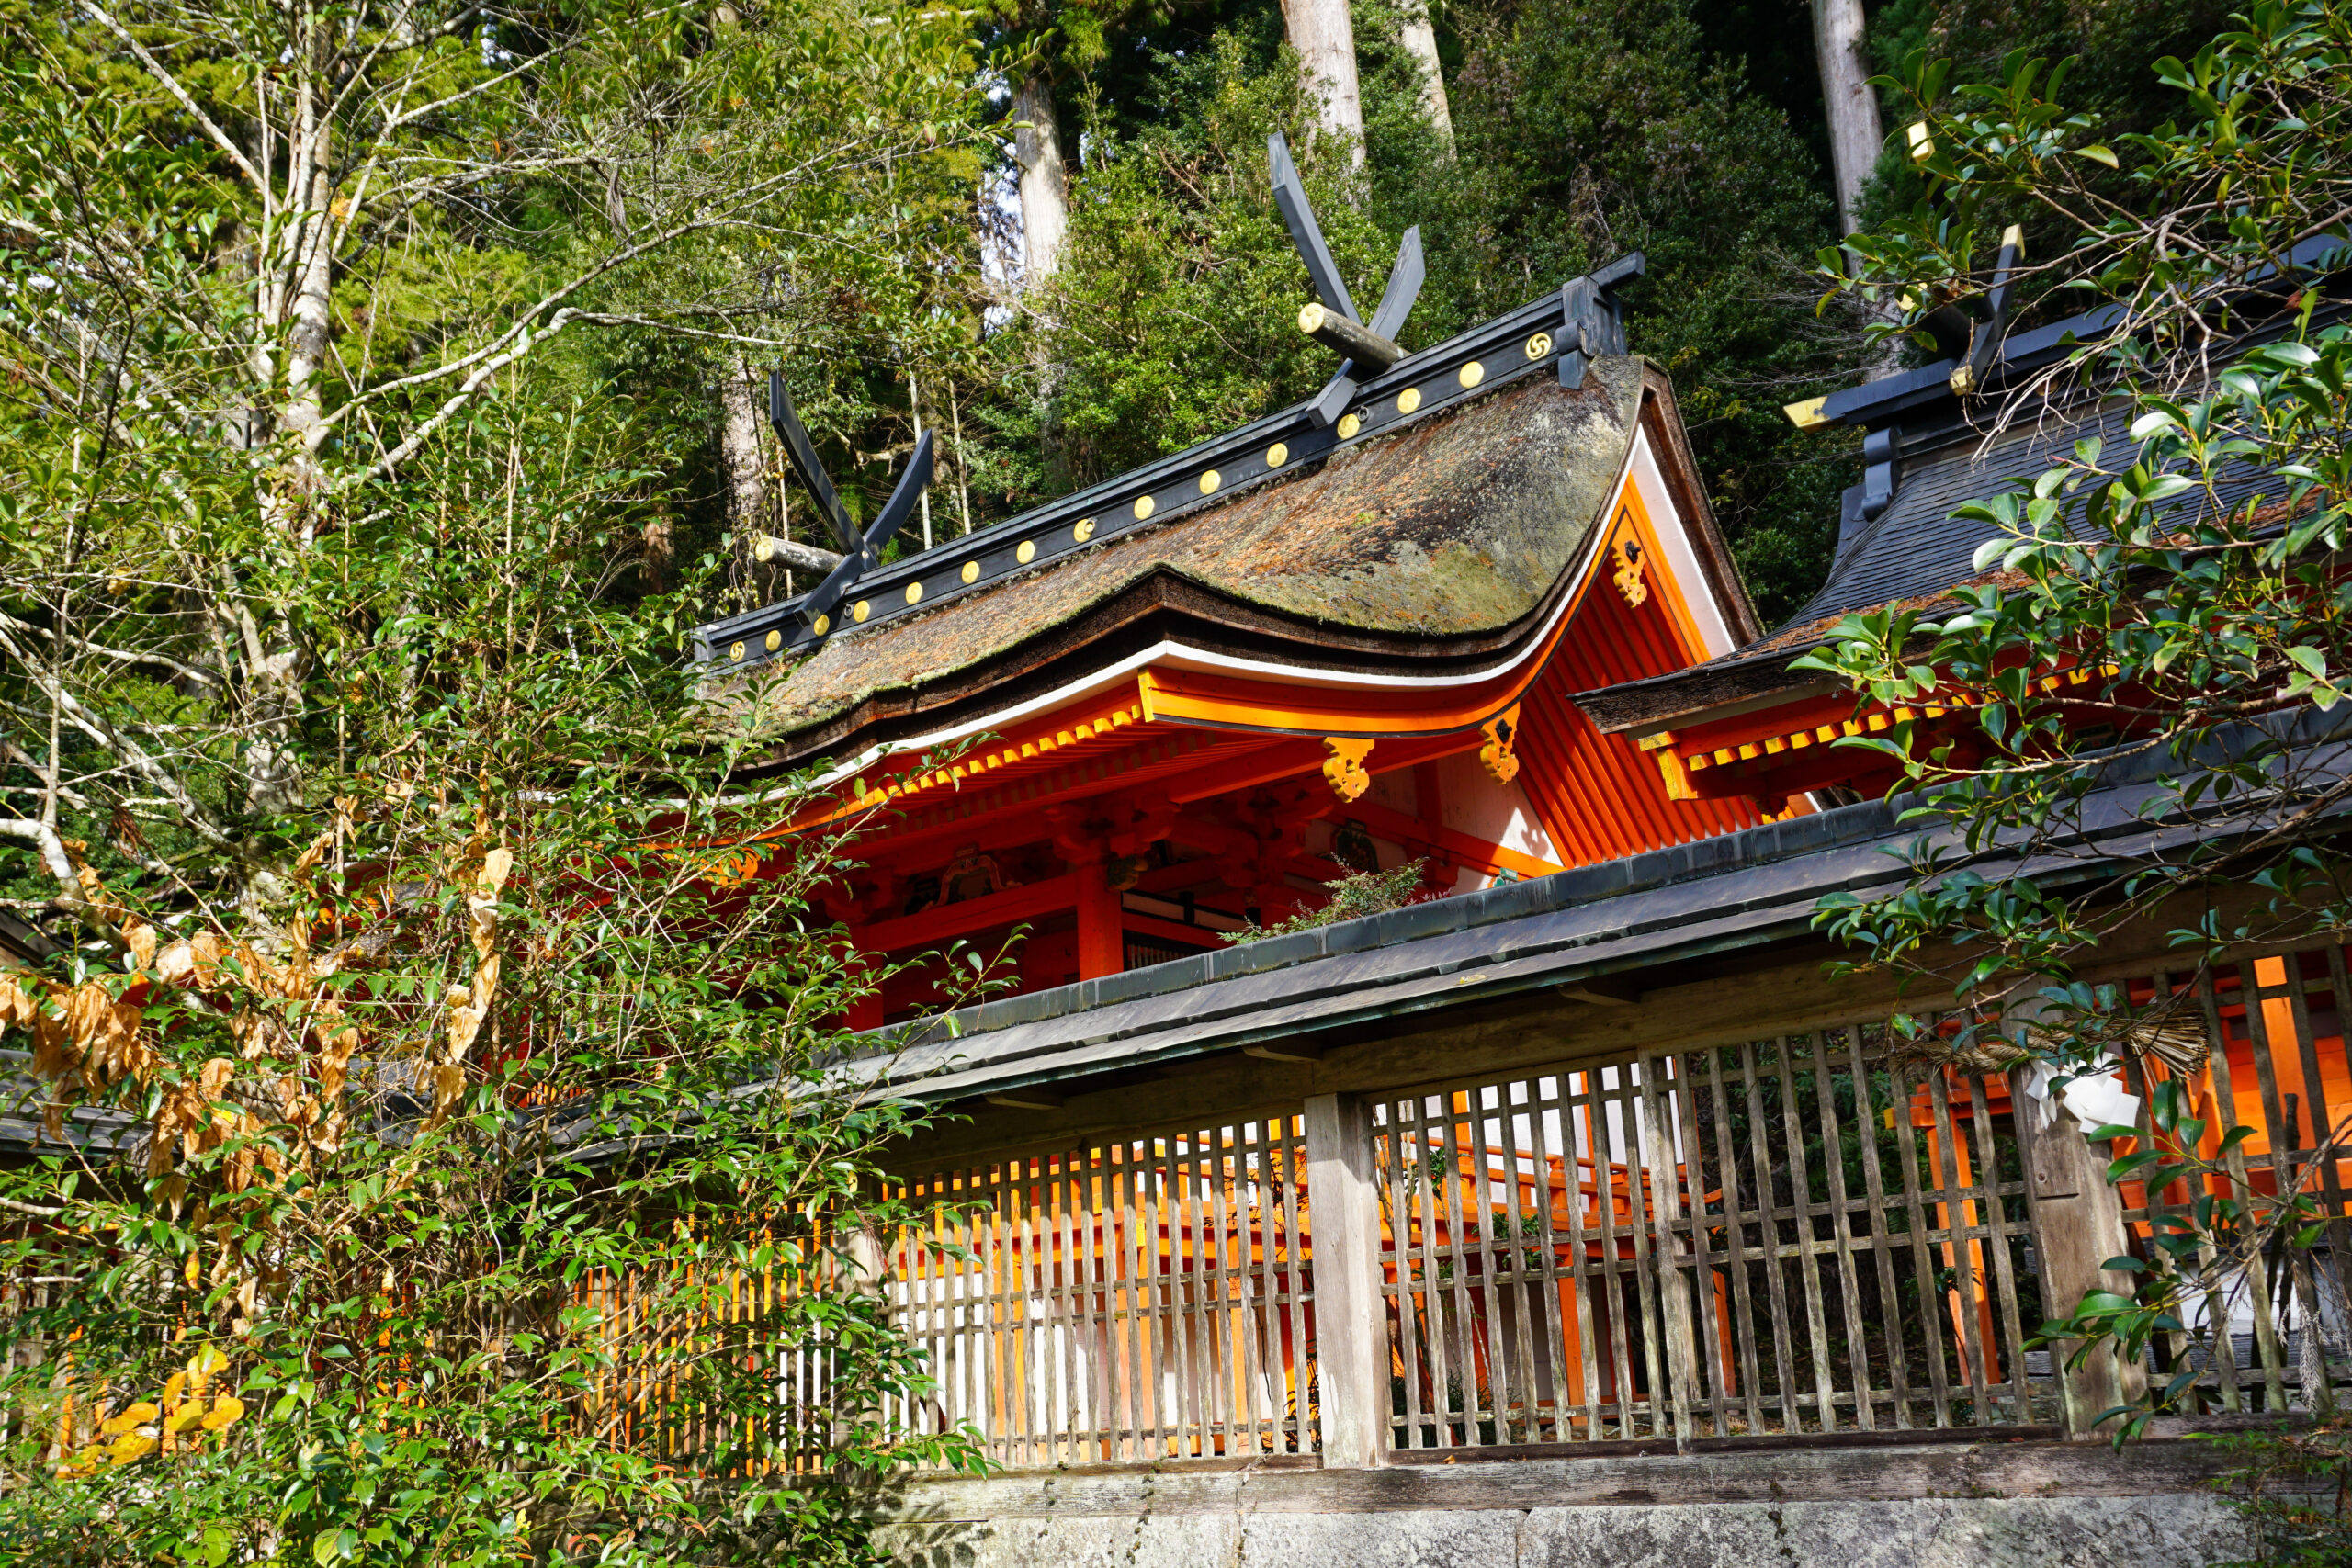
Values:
[(1917, 552), (1453, 527)]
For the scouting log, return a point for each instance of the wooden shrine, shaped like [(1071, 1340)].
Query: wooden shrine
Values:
[(1189, 698)]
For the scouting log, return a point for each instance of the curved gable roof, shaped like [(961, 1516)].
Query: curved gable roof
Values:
[(1438, 541)]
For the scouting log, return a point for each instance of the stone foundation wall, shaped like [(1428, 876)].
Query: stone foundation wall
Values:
[(2046, 1504)]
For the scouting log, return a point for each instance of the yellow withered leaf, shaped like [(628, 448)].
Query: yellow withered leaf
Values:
[(137, 1415), (316, 853), (186, 1420), (141, 938), (133, 1446), (225, 1409), (18, 1009), (203, 1365), (177, 1380)]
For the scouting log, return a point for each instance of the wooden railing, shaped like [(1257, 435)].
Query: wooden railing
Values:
[(1732, 1242), (1142, 1297), (1784, 1237)]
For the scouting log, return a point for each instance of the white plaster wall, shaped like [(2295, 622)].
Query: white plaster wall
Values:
[(1492, 813)]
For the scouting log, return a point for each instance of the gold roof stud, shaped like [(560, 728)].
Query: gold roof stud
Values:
[(736, 653), (914, 593), (1349, 425), (1083, 530), (1026, 553), (971, 572), (859, 610), (1472, 373), (1539, 346), (1277, 454), (1408, 399), (823, 625), (775, 640), (1210, 479), (1143, 507)]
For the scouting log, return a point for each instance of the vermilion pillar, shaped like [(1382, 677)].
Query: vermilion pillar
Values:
[(1101, 941)]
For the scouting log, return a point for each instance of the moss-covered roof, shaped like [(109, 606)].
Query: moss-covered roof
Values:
[(1450, 527)]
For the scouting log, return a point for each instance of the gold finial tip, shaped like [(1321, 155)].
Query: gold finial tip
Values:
[(1807, 414)]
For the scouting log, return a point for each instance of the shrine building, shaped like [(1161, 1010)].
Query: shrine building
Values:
[(1184, 700)]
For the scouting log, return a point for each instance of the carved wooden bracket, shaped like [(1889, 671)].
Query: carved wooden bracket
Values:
[(1629, 575), (1345, 771), (1502, 733)]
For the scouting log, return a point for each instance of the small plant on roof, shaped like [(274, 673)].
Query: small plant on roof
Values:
[(1353, 898)]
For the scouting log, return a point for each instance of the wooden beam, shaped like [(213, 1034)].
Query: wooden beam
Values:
[(1603, 990), (1285, 757), (943, 921), (1284, 1051), (1026, 1099), (1353, 340), (771, 551)]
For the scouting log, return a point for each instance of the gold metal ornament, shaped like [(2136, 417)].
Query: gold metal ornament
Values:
[(1027, 552), (859, 610), (914, 593), (1344, 771), (824, 624), (736, 653), (1473, 373), (1277, 454), (1408, 399), (1349, 425), (1083, 531), (1539, 346), (971, 571), (775, 640), (1143, 507), (1210, 480)]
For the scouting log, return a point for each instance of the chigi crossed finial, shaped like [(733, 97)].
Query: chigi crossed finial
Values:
[(1370, 347), (860, 554)]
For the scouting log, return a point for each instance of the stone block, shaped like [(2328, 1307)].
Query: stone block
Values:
[(1177, 1541), (1422, 1538), (2177, 1530)]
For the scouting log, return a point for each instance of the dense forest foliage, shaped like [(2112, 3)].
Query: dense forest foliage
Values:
[(1580, 129)]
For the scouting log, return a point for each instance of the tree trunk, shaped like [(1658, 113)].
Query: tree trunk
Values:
[(1419, 38), (1851, 105), (661, 552), (1044, 189), (742, 462), (276, 662), (1326, 41)]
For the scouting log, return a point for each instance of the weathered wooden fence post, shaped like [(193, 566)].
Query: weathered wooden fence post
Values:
[(2077, 1226), (865, 1271), (1351, 1321)]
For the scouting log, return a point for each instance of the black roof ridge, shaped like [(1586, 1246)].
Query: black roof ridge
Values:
[(1235, 454)]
